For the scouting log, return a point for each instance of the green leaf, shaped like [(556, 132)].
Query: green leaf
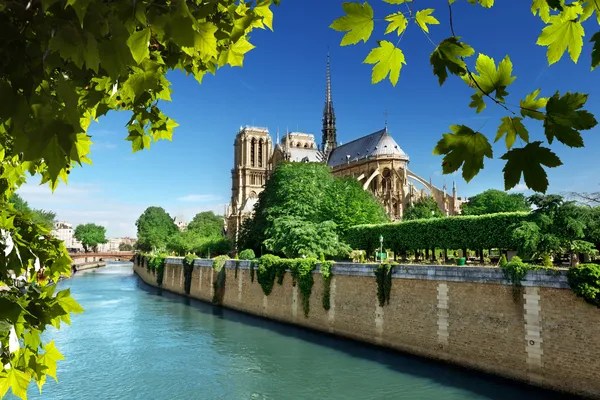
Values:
[(564, 119), (234, 55), (49, 358), (463, 147), (490, 80), (564, 32), (423, 18), (263, 9), (138, 43), (448, 55), (397, 1), (90, 53), (69, 44), (358, 22), (68, 303), (397, 22), (528, 161), (205, 41), (541, 7), (596, 50), (531, 104), (80, 7), (387, 59), (16, 380), (512, 127)]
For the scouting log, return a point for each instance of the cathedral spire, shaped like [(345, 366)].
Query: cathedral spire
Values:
[(329, 132)]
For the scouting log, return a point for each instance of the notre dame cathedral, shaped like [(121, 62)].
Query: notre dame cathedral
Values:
[(375, 160)]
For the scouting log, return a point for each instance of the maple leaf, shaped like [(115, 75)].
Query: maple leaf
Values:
[(138, 44), (358, 22), (595, 50), (265, 12), (387, 59), (528, 161), (512, 127), (448, 55), (397, 1), (463, 147), (397, 22), (541, 8), (564, 119), (531, 104), (490, 80), (234, 55), (423, 18), (564, 33)]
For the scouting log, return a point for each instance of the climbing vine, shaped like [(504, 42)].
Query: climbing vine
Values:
[(252, 271), (219, 283), (188, 268), (327, 275), (156, 263), (514, 272), (584, 280), (301, 270), (383, 275), (269, 268)]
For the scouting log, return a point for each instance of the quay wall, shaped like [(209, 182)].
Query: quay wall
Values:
[(540, 333)]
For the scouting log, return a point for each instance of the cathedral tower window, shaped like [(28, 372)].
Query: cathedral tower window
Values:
[(252, 152), (260, 153)]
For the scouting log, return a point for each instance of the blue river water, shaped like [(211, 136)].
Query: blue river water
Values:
[(134, 342)]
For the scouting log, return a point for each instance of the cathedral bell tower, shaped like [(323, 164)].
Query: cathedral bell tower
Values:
[(329, 132)]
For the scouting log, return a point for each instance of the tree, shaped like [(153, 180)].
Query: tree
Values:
[(66, 63), (494, 201), (297, 237), (90, 236), (154, 227), (562, 115), (125, 247), (206, 224), (425, 207), (40, 217), (308, 191)]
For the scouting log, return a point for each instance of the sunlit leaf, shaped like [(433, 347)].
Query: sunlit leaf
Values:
[(388, 59), (358, 22)]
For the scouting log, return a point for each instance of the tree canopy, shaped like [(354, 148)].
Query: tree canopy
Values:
[(154, 227), (40, 217), (90, 235), (494, 201), (561, 115), (206, 224), (308, 192), (423, 208)]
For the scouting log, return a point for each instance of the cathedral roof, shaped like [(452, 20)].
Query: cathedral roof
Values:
[(379, 143), (302, 154)]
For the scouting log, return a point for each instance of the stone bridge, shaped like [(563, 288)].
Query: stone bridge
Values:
[(82, 258)]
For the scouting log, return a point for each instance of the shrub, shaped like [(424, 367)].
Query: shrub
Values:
[(515, 271), (247, 254), (546, 261), (219, 283), (584, 280), (502, 263)]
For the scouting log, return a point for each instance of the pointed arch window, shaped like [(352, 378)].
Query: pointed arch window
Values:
[(260, 153), (253, 152)]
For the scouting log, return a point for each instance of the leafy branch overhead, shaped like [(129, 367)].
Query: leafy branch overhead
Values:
[(562, 116)]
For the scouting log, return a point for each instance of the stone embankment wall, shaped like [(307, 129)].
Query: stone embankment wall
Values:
[(543, 334)]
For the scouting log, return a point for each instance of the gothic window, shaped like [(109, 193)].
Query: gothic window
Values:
[(386, 182), (252, 152), (306, 146), (260, 153)]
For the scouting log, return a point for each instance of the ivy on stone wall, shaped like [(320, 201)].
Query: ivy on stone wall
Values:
[(301, 270), (269, 268), (584, 280), (327, 275), (188, 268), (219, 283), (383, 276), (155, 263), (252, 271)]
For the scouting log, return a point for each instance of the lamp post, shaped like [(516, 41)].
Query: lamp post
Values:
[(380, 248)]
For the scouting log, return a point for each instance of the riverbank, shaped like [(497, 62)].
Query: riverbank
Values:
[(541, 334), (90, 265)]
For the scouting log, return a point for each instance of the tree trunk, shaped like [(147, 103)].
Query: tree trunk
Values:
[(481, 256), (445, 255), (464, 251)]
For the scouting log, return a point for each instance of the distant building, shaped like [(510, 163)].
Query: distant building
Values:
[(114, 244), (64, 231), (181, 222)]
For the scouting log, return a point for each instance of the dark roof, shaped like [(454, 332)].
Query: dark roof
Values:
[(378, 143)]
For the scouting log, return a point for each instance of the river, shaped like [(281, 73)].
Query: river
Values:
[(134, 342)]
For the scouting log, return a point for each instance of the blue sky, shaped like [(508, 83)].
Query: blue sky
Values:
[(282, 85)]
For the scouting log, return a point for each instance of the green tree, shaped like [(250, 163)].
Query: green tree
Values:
[(154, 227), (297, 237), (125, 247), (494, 201), (561, 114), (423, 208), (183, 243), (40, 217), (309, 192), (90, 235), (206, 224), (64, 64)]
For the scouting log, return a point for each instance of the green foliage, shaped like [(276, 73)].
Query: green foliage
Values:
[(584, 280), (383, 277), (219, 262), (503, 261), (494, 201), (302, 269), (423, 208), (465, 148), (325, 268), (308, 192), (90, 235), (39, 217), (206, 224), (514, 272), (247, 254), (546, 261), (125, 247), (216, 245), (154, 227), (219, 283), (188, 268), (156, 263), (460, 232), (252, 264)]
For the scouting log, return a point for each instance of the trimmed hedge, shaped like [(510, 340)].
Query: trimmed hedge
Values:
[(457, 232)]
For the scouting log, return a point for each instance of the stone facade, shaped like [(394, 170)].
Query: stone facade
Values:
[(545, 335)]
